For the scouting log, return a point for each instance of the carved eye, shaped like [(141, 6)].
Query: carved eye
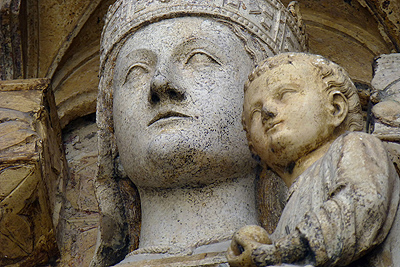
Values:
[(136, 71), (200, 57), (285, 93)]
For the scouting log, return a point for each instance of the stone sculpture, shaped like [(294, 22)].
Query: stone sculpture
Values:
[(172, 74), (300, 114)]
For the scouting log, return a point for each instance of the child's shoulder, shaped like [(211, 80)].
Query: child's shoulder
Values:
[(358, 143), (358, 137)]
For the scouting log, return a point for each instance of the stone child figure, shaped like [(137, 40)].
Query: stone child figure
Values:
[(300, 114), (172, 73)]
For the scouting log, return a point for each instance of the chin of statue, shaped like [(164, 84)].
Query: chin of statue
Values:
[(188, 167)]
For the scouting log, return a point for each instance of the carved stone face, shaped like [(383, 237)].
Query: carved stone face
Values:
[(287, 113), (178, 93)]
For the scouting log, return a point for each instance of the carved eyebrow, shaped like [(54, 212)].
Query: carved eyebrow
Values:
[(201, 51), (184, 49), (142, 57), (144, 66), (256, 108), (285, 88)]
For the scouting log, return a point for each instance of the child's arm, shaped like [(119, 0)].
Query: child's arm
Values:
[(357, 215)]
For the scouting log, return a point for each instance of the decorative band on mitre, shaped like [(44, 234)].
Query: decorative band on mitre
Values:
[(269, 20)]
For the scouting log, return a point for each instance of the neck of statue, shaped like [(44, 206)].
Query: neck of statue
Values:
[(303, 164), (192, 217)]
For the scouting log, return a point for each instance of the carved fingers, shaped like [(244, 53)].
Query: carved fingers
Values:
[(288, 249), (244, 242), (252, 247), (266, 255)]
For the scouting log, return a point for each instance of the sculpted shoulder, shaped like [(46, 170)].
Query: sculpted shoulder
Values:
[(361, 142)]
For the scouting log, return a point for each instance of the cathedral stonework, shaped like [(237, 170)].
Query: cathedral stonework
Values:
[(199, 133)]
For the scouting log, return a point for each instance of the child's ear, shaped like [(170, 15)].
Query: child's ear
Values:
[(339, 107)]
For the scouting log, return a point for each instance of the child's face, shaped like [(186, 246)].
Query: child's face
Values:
[(287, 113)]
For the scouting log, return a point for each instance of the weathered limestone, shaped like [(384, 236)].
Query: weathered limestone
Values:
[(386, 83), (32, 169), (388, 13), (60, 39), (169, 111), (344, 32), (81, 210), (300, 111), (210, 259), (10, 40)]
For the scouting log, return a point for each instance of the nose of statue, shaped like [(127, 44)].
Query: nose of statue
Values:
[(163, 89), (267, 114)]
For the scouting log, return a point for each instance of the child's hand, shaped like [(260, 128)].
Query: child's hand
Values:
[(244, 242), (266, 255)]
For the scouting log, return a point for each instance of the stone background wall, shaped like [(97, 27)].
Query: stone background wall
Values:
[(81, 212)]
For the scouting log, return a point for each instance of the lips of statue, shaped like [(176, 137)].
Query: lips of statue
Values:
[(178, 95)]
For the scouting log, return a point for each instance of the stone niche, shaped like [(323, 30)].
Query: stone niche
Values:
[(31, 173)]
